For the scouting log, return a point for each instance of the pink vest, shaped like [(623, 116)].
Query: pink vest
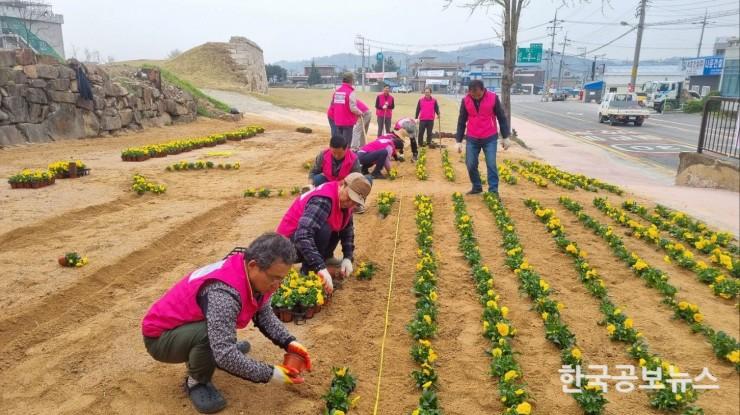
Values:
[(179, 305), (330, 112), (337, 220), (481, 122), (362, 107), (343, 116), (426, 109), (380, 143), (347, 163), (382, 100)]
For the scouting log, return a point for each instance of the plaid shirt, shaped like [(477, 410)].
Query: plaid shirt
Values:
[(314, 216)]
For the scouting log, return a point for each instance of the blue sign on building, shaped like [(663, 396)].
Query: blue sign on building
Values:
[(713, 65)]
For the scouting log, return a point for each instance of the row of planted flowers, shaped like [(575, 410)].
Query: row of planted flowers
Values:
[(180, 146), (591, 397), (423, 325), (724, 346), (339, 398), (619, 326), (680, 227), (202, 165), (447, 166), (568, 180), (36, 178), (720, 284), (421, 165), (505, 173), (685, 222), (497, 328)]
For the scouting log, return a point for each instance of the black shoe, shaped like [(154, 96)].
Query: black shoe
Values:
[(474, 192), (432, 145), (379, 176), (243, 346), (205, 397)]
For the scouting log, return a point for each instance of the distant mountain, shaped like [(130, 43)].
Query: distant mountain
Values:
[(353, 60)]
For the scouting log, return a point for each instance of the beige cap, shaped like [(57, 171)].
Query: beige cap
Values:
[(358, 187)]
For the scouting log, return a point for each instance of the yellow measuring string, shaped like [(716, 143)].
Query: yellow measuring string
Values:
[(387, 308)]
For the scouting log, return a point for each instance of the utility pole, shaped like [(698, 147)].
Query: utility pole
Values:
[(640, 27), (562, 56), (360, 45), (554, 27), (701, 37)]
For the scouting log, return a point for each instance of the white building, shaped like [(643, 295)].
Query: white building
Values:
[(31, 24)]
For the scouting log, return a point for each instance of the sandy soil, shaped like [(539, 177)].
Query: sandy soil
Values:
[(71, 339)]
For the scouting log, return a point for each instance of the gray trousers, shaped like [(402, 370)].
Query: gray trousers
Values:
[(358, 135), (384, 122)]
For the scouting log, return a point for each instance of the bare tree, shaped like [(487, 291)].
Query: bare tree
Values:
[(111, 59), (30, 13), (507, 31), (174, 53), (88, 55)]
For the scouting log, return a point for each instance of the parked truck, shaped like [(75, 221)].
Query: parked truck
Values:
[(662, 95), (622, 108)]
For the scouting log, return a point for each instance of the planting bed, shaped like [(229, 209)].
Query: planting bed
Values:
[(473, 305)]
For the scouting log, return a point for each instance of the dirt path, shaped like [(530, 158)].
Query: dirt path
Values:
[(251, 105)]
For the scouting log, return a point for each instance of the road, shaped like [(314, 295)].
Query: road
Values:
[(656, 143)]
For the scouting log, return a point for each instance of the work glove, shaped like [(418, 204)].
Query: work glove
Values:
[(326, 280), (458, 146), (506, 143), (346, 267), (299, 349), (285, 375)]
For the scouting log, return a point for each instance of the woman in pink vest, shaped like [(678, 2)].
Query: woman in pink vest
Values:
[(343, 108), (379, 153), (426, 110), (333, 163), (384, 105), (479, 111), (320, 219), (195, 321)]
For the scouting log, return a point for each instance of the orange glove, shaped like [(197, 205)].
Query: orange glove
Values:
[(285, 375), (299, 349)]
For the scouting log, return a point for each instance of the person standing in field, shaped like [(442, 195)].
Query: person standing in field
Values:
[(427, 109), (384, 105), (343, 109), (479, 111)]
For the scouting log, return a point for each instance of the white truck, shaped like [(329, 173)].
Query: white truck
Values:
[(622, 108)]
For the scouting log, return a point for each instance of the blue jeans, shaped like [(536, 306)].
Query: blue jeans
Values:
[(472, 150), (332, 127), (318, 179)]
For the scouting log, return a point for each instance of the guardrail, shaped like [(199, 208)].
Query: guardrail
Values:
[(720, 124)]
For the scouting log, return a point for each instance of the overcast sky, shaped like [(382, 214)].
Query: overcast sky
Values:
[(301, 29)]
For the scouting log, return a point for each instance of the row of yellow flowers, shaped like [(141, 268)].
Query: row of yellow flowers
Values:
[(568, 180), (142, 185), (719, 283), (591, 398), (497, 327), (142, 153), (705, 240), (619, 326), (421, 165), (505, 174), (724, 346), (385, 202), (423, 326), (447, 166)]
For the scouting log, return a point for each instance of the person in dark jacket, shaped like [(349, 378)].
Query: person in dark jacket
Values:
[(427, 109), (477, 123)]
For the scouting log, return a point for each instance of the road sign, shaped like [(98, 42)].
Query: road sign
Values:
[(379, 56), (532, 54)]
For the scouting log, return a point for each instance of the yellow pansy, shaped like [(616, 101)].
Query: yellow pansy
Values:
[(524, 408), (503, 329), (512, 374)]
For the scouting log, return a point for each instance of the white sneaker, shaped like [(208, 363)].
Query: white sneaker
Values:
[(360, 209)]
